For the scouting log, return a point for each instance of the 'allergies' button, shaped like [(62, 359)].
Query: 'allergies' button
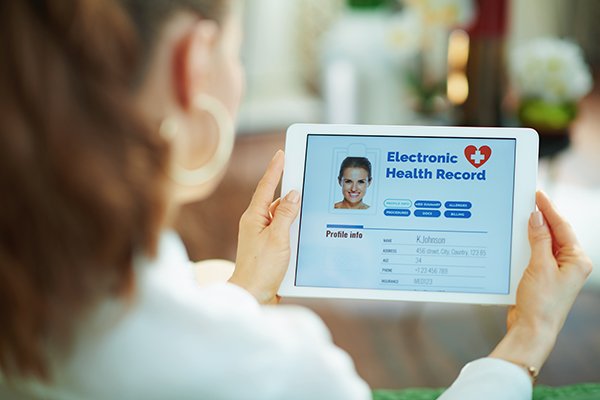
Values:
[(427, 213), (457, 214), (462, 205)]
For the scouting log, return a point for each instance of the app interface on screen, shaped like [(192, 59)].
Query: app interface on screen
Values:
[(407, 213)]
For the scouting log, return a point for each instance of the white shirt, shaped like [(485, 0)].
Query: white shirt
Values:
[(176, 340)]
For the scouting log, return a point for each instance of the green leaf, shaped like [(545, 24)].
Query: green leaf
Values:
[(540, 114)]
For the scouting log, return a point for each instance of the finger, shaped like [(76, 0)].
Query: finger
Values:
[(265, 190), (540, 240), (560, 228), (285, 214), (273, 207)]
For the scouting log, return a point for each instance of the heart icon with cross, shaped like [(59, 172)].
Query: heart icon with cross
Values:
[(477, 156)]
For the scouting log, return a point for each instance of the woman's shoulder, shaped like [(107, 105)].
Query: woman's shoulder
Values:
[(342, 205), (168, 332), (184, 341), (174, 337)]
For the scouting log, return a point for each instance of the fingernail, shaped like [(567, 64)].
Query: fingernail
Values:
[(293, 197), (277, 154), (537, 219)]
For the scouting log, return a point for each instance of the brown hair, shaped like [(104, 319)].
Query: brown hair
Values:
[(355, 162), (82, 176)]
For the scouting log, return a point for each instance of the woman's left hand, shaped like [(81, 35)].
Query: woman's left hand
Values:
[(263, 252)]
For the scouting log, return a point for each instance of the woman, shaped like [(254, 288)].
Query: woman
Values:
[(114, 113), (354, 178)]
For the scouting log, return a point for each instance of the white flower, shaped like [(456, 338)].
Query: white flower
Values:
[(550, 69), (404, 34), (448, 13)]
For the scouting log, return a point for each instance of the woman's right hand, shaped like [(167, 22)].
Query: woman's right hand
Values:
[(264, 239), (557, 270)]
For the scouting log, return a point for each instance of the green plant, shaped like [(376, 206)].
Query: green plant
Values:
[(366, 4)]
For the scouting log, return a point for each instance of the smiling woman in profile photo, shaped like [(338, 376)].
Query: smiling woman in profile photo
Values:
[(116, 113), (354, 178)]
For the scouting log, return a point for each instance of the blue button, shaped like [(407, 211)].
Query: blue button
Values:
[(396, 212), (457, 214), (428, 204), (427, 213), (462, 205), (397, 203)]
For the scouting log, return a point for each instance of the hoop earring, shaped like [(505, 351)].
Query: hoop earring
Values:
[(199, 176)]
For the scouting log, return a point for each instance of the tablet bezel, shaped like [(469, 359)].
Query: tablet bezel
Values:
[(526, 162)]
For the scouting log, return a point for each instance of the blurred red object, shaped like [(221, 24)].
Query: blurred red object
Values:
[(491, 19)]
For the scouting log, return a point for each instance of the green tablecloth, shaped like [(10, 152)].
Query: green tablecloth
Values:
[(585, 391)]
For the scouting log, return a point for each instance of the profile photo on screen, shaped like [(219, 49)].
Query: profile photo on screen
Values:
[(354, 178)]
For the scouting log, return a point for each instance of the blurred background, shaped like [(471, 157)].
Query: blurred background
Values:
[(435, 62)]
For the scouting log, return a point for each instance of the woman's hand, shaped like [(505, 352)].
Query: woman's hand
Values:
[(556, 273), (264, 238)]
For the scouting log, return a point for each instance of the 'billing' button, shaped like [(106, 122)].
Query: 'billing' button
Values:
[(457, 214)]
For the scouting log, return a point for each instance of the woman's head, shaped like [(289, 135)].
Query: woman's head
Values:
[(354, 178), (84, 171), (191, 52)]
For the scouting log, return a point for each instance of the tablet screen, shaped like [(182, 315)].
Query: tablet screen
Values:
[(407, 213)]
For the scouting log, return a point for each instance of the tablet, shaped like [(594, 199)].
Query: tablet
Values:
[(410, 212)]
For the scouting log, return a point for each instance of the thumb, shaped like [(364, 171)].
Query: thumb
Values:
[(540, 239), (285, 214)]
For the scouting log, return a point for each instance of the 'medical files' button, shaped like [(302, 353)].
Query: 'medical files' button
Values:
[(457, 214), (428, 204), (427, 213), (461, 205), (396, 212)]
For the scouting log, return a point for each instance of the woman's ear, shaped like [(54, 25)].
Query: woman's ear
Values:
[(192, 61)]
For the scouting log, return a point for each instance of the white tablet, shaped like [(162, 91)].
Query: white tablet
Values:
[(410, 212)]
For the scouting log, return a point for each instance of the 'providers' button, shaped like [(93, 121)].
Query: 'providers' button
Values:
[(457, 214)]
